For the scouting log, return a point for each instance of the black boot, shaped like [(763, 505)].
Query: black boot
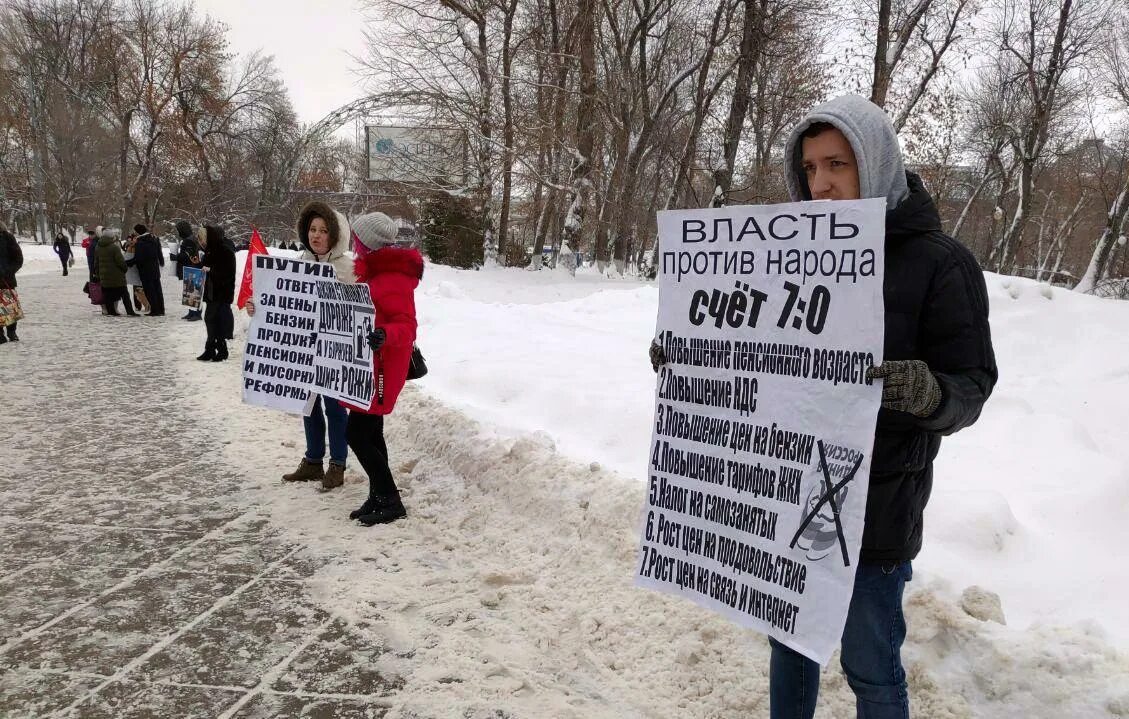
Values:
[(389, 508), (368, 507), (209, 352), (221, 351), (4, 339), (12, 337)]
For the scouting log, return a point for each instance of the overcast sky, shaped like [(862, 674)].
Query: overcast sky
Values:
[(311, 42)]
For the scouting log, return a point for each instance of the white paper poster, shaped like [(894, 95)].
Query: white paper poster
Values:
[(278, 361), (764, 422), (343, 368)]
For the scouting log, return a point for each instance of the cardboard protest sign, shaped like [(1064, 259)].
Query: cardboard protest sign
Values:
[(343, 368), (193, 293), (769, 317), (278, 361)]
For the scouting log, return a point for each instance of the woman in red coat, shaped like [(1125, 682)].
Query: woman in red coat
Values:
[(392, 274)]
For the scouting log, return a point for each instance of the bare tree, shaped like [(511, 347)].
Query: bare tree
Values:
[(1116, 64), (1044, 44)]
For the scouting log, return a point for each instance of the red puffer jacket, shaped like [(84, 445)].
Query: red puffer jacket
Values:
[(392, 275)]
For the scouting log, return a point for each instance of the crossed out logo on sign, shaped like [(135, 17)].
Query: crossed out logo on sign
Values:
[(820, 529)]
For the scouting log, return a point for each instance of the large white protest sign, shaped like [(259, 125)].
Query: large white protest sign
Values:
[(343, 368), (764, 422), (278, 361)]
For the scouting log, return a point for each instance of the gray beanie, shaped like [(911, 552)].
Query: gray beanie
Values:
[(376, 229)]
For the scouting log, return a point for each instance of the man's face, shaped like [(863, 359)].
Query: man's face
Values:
[(830, 166)]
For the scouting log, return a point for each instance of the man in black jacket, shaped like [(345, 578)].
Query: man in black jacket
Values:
[(149, 259), (188, 255), (938, 370)]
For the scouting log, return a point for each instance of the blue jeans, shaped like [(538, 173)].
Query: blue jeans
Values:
[(315, 431), (871, 653)]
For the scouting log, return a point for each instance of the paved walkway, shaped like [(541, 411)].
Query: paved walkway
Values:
[(135, 581)]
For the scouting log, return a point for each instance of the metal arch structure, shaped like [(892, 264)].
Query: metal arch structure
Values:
[(327, 126)]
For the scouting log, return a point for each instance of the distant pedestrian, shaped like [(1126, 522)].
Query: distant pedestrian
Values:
[(111, 268), (11, 260), (148, 258), (63, 250), (219, 292)]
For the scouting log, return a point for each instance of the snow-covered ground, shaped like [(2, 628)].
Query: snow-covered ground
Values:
[(521, 456)]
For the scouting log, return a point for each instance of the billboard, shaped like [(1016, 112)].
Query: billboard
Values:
[(415, 154)]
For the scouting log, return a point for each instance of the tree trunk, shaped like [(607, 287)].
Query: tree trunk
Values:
[(1106, 241), (971, 200), (507, 132), (880, 82), (739, 104), (585, 130)]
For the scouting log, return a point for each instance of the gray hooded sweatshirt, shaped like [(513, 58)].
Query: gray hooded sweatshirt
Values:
[(872, 137)]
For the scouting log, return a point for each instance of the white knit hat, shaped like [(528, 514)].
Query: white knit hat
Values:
[(376, 229)]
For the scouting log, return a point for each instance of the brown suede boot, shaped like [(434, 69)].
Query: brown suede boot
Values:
[(334, 477), (306, 471)]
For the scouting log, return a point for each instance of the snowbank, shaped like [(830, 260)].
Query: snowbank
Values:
[(1028, 503)]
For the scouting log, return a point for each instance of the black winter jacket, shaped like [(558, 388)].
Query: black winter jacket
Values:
[(11, 259), (189, 248), (936, 311), (62, 247), (219, 258), (148, 257)]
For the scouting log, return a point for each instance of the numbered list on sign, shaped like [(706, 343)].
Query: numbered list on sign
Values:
[(769, 317)]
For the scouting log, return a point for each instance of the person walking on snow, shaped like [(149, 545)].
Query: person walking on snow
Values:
[(62, 248), (325, 236), (392, 274), (110, 268), (219, 291), (188, 255), (11, 260), (148, 258), (939, 370)]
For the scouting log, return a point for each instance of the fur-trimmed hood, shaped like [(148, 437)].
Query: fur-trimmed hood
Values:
[(401, 260), (339, 235)]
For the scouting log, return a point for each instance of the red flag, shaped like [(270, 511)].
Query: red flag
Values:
[(257, 248)]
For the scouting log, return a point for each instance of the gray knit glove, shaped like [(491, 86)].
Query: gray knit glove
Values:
[(658, 357), (909, 387)]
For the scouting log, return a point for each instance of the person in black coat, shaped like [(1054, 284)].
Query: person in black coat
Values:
[(188, 255), (62, 248), (937, 372), (11, 260), (148, 258), (219, 292)]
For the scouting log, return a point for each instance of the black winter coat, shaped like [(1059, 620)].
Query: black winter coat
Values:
[(189, 248), (936, 311), (11, 259), (219, 258), (62, 247), (148, 257)]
